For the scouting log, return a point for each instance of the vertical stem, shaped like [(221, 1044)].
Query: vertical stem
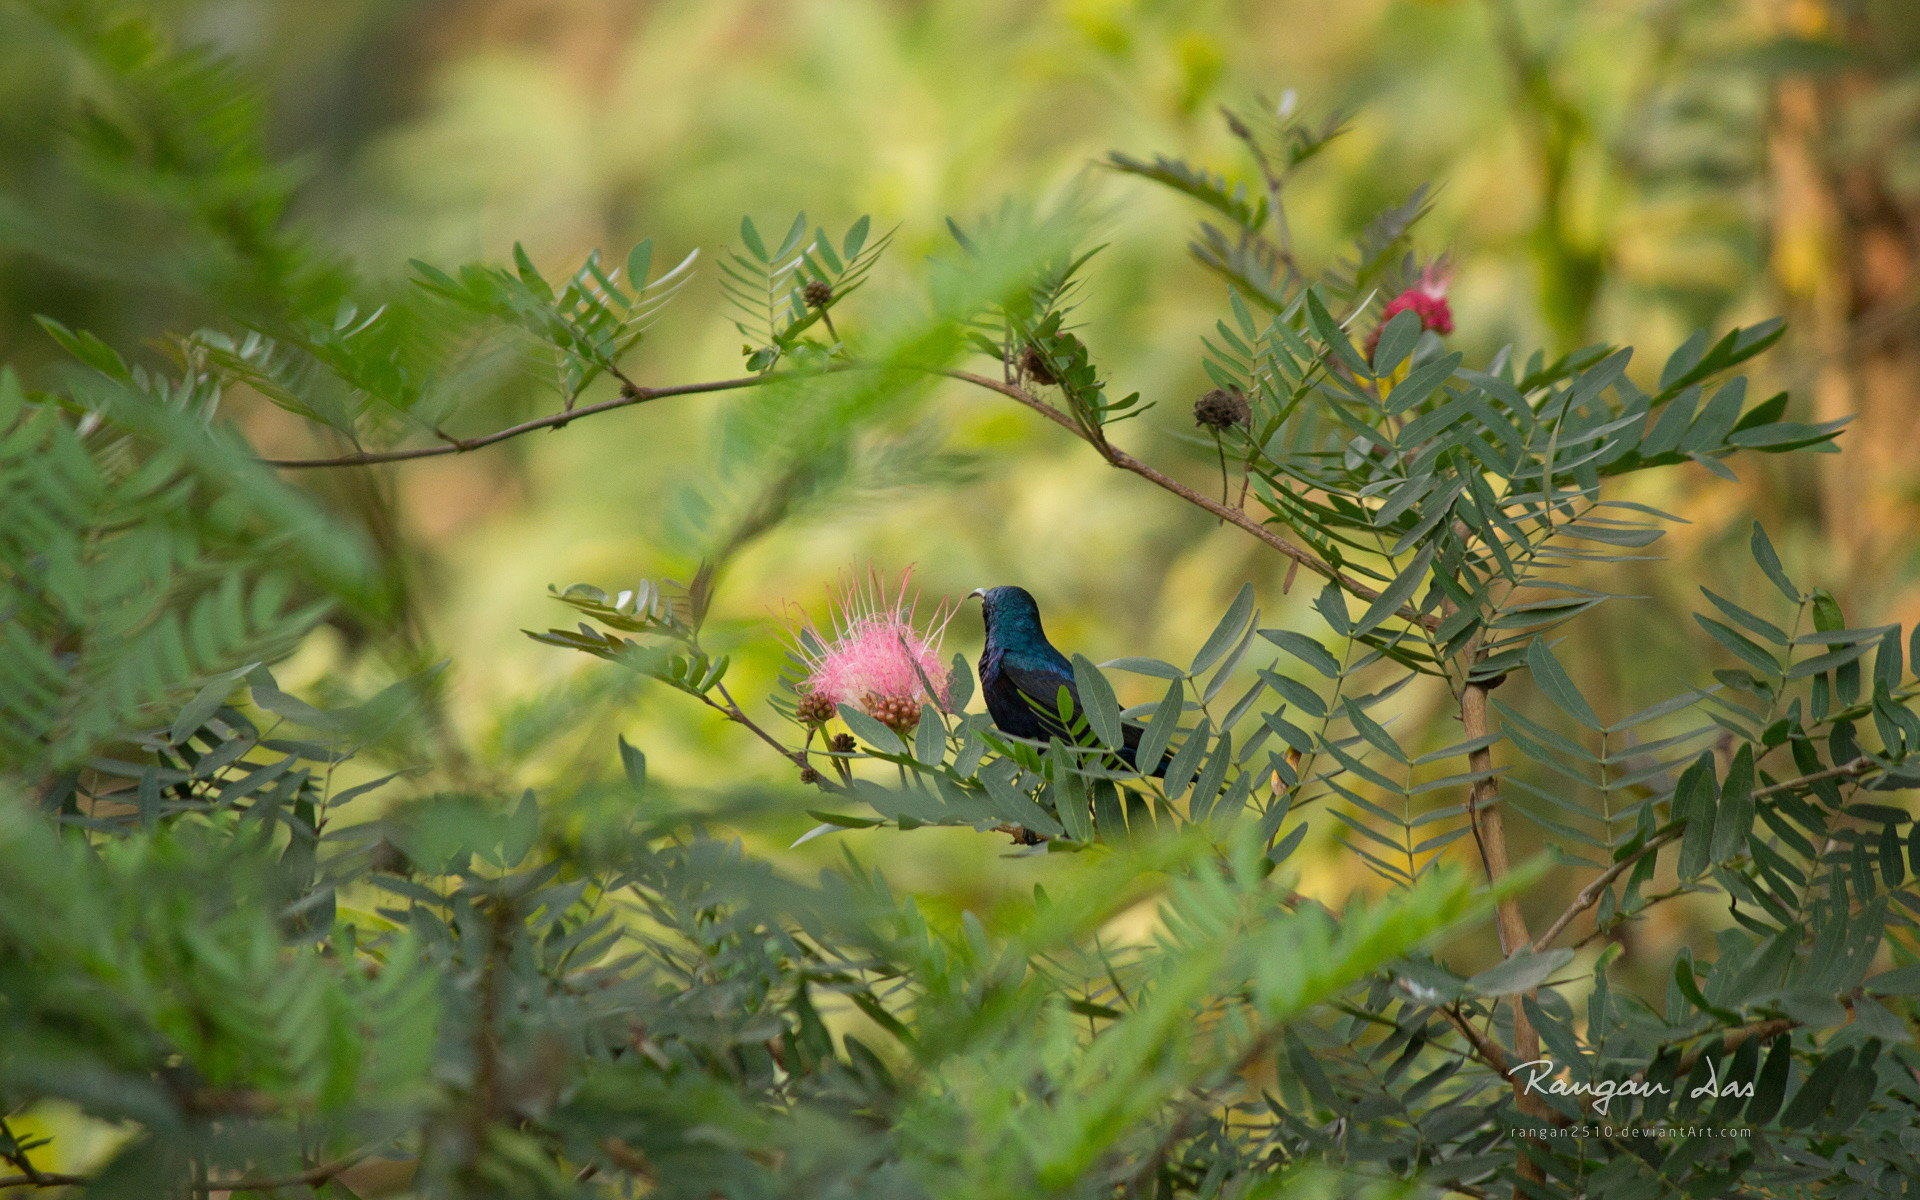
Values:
[(1483, 811), (1489, 828), (484, 1104), (1225, 484)]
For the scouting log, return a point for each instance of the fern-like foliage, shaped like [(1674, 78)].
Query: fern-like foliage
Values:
[(586, 323), (174, 140), (142, 558), (593, 988), (780, 291), (1234, 201)]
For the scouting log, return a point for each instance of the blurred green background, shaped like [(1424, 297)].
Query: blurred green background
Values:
[(1621, 171)]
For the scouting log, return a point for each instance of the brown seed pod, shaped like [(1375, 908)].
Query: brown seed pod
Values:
[(1222, 409), (1034, 366), (818, 293)]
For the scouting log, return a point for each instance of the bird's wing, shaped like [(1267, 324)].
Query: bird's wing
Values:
[(1040, 688)]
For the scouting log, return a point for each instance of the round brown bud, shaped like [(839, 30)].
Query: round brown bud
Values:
[(818, 293), (1222, 409), (898, 713), (841, 743), (1034, 366), (809, 775), (814, 709)]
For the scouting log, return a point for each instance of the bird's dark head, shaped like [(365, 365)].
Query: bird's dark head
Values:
[(1009, 610)]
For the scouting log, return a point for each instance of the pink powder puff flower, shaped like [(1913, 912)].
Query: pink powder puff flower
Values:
[(874, 655), (1427, 298)]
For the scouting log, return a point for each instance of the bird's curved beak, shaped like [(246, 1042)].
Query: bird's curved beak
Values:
[(977, 594)]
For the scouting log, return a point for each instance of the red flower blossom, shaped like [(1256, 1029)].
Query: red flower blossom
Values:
[(1427, 298)]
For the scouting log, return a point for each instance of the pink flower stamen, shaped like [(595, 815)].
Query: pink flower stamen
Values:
[(874, 652)]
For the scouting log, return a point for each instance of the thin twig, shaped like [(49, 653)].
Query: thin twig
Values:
[(1232, 516), (1221, 449), (1485, 1048), (730, 708), (1590, 895), (18, 1156), (1275, 181), (630, 394), (311, 1177), (1722, 1041), (42, 1179)]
